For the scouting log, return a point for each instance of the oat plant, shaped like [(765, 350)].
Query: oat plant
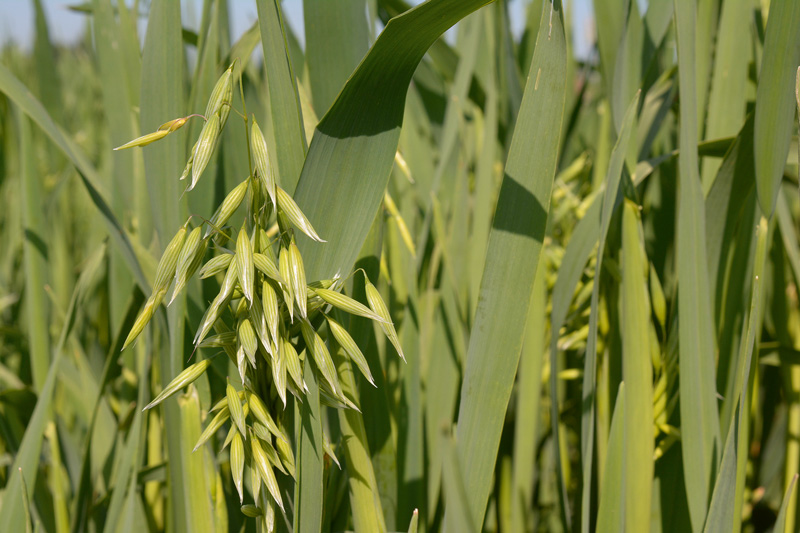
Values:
[(271, 323)]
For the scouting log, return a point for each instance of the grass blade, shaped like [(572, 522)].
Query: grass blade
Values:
[(774, 103), (637, 372), (611, 514), (35, 255), (354, 145), (514, 245), (284, 102), (615, 169), (337, 37), (781, 520), (700, 430)]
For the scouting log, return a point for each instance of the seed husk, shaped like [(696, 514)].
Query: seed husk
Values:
[(279, 376), (204, 148), (251, 511), (191, 256), (269, 301), (235, 407), (286, 272), (297, 278), (287, 457), (173, 125), (331, 399), (189, 164), (266, 265), (321, 355), (215, 265), (328, 449), (255, 480), (259, 323), (144, 140), (247, 337), (229, 349), (351, 348), (294, 215), (260, 430), (376, 304), (293, 365), (212, 313), (220, 340), (223, 402), (244, 262), (272, 455), (182, 380), (241, 362), (169, 261), (229, 438), (228, 207), (405, 234), (213, 426), (219, 94), (261, 413), (237, 463), (258, 146), (264, 468), (143, 317), (345, 303)]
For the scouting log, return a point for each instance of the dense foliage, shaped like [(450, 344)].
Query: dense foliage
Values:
[(403, 282)]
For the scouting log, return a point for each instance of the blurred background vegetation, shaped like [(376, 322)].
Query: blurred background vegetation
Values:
[(588, 241)]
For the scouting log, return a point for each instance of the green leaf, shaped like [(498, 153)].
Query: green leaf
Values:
[(353, 148), (35, 250), (726, 103), (700, 432), (308, 489), (514, 246), (724, 512), (637, 373), (529, 402), (611, 509), (787, 498), (337, 37), (774, 103), (615, 169)]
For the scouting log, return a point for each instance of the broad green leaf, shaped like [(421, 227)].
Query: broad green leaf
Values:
[(611, 509), (628, 65), (529, 404), (637, 373), (456, 495), (35, 252), (514, 245), (781, 520), (610, 17), (337, 37), (163, 91), (724, 513), (353, 148), (774, 103), (364, 495), (615, 170), (700, 432), (308, 488), (726, 103)]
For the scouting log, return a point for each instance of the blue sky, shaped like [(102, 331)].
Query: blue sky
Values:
[(16, 19)]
